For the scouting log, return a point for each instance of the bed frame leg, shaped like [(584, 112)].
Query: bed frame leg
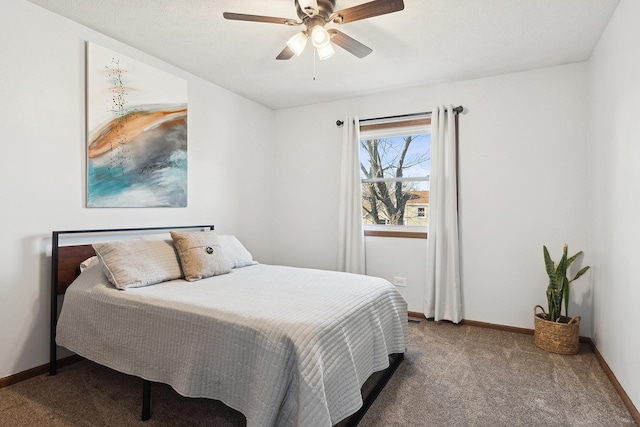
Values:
[(146, 400)]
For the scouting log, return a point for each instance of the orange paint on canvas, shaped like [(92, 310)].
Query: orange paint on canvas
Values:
[(126, 129)]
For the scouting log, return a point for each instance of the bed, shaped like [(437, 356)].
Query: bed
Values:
[(285, 346)]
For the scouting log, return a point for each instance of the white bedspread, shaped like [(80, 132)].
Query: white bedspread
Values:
[(284, 346)]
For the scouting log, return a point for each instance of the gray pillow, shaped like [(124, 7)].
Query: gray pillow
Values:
[(138, 262)]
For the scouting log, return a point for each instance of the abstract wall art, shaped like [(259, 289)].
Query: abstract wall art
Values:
[(137, 133)]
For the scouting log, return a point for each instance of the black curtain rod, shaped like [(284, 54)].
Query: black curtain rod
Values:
[(457, 110)]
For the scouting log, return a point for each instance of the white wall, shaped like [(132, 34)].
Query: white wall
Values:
[(523, 181), (399, 257), (614, 207), (42, 178)]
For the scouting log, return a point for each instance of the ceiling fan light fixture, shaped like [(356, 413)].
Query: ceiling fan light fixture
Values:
[(297, 43), (320, 37), (325, 52)]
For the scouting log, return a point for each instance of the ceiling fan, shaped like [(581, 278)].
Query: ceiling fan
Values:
[(314, 15)]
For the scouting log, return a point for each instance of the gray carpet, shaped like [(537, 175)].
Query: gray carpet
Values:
[(451, 376)]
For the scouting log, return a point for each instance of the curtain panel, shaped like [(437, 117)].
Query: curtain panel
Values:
[(442, 288), (351, 256)]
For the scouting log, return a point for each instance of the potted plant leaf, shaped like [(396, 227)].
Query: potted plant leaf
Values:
[(553, 331)]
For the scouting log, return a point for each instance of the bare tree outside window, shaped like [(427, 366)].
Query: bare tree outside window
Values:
[(395, 179)]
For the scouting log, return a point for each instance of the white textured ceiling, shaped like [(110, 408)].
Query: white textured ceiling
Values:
[(430, 41)]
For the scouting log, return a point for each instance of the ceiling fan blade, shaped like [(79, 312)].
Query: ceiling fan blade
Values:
[(286, 53), (367, 10), (349, 44), (260, 18)]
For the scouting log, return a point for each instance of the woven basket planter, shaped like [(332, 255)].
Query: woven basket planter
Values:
[(561, 337)]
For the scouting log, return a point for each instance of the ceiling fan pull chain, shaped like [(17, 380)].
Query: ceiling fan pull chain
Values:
[(314, 66)]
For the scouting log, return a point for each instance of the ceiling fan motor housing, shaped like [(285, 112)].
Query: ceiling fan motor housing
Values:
[(325, 9)]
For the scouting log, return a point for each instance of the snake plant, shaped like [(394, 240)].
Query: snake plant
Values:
[(558, 288)]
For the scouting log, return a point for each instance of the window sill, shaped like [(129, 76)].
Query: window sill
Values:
[(399, 234)]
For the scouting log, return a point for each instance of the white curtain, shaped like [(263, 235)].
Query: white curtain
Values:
[(442, 292), (350, 233)]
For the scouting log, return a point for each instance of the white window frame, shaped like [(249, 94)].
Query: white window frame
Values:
[(390, 130)]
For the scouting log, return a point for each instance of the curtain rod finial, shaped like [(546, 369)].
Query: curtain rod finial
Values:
[(339, 123)]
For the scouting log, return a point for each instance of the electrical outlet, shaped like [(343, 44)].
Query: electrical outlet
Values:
[(400, 281)]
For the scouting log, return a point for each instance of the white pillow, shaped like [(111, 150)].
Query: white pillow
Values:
[(235, 252), (139, 262), (88, 263)]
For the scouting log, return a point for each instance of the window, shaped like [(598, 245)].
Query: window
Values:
[(395, 163)]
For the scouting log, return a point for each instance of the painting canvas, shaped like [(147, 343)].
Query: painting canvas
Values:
[(137, 133)]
